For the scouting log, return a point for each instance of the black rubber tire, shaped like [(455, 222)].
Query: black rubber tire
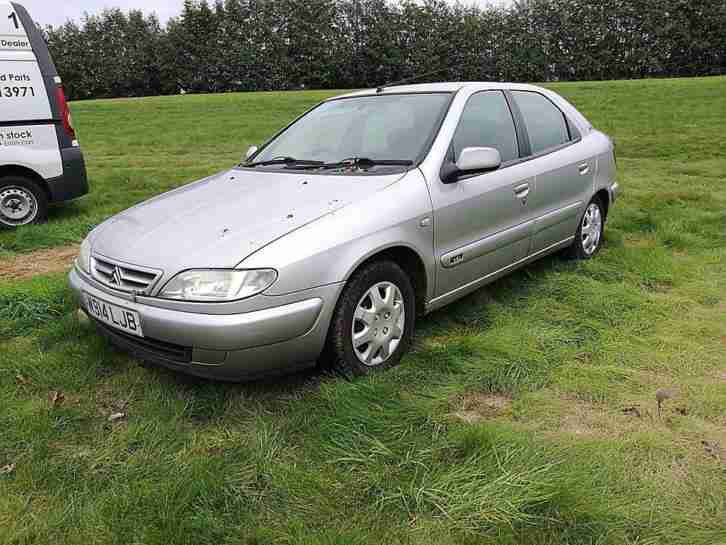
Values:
[(576, 250), (41, 198), (339, 351)]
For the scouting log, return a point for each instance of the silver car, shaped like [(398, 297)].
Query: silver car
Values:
[(367, 211)]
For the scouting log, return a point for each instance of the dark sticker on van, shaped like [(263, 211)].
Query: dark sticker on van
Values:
[(14, 43)]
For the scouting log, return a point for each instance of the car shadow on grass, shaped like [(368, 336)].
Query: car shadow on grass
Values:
[(512, 290)]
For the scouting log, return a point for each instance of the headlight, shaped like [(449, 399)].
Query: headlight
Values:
[(84, 257), (218, 285)]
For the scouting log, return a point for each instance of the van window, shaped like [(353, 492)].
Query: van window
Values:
[(545, 122), (487, 122)]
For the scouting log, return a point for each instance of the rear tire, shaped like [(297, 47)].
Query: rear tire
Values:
[(374, 320), (590, 231), (22, 202)]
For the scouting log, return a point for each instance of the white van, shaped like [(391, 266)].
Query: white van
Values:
[(40, 159)]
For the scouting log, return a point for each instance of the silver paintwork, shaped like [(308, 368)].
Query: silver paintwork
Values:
[(316, 229), (218, 332), (378, 323), (218, 222), (478, 159)]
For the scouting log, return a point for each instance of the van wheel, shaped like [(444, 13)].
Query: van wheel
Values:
[(374, 320), (589, 235), (22, 201)]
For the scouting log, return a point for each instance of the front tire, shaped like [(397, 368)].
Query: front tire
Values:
[(22, 202), (589, 235), (374, 320)]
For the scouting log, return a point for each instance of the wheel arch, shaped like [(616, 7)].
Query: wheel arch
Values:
[(604, 197), (410, 260), (25, 172)]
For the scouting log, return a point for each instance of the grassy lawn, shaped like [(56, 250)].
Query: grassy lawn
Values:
[(525, 414)]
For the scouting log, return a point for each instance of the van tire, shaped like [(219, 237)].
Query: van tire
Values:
[(18, 194)]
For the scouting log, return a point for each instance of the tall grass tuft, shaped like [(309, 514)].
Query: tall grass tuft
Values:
[(498, 485)]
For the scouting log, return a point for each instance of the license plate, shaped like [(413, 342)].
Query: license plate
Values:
[(114, 315)]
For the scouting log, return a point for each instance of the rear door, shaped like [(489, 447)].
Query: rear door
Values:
[(28, 134), (483, 221), (564, 169)]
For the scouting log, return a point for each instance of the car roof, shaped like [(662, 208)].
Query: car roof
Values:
[(443, 87)]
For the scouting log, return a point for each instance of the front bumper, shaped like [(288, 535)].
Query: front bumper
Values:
[(614, 192), (272, 339)]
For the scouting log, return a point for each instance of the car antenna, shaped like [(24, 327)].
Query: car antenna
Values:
[(380, 88)]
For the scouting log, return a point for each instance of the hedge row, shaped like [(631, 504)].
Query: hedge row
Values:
[(284, 44)]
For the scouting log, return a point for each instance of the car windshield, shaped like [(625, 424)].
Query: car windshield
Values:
[(377, 128)]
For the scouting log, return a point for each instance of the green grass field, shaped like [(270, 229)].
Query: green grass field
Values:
[(524, 415)]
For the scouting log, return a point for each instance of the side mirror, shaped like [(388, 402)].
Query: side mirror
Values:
[(471, 160), (250, 152)]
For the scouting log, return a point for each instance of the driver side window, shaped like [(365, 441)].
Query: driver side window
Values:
[(487, 122)]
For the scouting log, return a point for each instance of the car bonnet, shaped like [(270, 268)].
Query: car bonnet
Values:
[(217, 222)]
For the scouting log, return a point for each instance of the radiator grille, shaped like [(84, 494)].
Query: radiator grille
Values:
[(121, 276)]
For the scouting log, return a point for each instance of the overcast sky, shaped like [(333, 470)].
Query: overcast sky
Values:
[(57, 12)]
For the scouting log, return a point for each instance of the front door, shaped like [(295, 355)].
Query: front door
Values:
[(483, 222)]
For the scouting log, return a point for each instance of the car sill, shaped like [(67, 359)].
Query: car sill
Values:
[(436, 302)]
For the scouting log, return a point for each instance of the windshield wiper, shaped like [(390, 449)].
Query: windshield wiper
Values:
[(284, 161), (365, 162)]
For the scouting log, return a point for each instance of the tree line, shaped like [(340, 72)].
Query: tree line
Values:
[(244, 45)]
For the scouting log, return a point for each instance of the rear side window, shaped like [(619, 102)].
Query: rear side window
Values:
[(487, 122), (545, 123)]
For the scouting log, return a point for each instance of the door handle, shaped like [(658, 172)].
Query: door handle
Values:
[(521, 191), (584, 168)]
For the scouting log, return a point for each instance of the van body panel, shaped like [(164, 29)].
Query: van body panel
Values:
[(23, 95), (32, 146), (32, 130)]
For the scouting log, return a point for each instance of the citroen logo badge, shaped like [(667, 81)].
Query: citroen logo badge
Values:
[(116, 276)]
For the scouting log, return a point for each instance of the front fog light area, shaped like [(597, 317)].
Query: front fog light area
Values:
[(218, 285)]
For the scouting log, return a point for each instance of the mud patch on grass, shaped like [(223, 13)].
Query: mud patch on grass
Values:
[(640, 243), (657, 286), (591, 420), (48, 261), (475, 407)]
